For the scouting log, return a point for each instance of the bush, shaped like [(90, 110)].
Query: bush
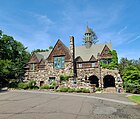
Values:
[(99, 89), (132, 88), (64, 77), (70, 90), (13, 84), (84, 90), (45, 87), (63, 89), (32, 84), (53, 85), (23, 86), (78, 90)]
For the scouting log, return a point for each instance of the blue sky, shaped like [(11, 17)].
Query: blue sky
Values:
[(40, 23)]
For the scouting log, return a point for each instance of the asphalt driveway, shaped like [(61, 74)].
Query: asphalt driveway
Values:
[(47, 105)]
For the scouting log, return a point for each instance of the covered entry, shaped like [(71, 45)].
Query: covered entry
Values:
[(94, 80), (109, 81)]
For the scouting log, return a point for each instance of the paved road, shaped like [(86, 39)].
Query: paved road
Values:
[(45, 105)]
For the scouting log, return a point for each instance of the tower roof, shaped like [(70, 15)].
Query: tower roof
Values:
[(87, 30)]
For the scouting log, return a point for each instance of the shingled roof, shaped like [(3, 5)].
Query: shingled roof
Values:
[(86, 53), (42, 55)]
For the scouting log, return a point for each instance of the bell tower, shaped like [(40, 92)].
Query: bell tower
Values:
[(89, 37)]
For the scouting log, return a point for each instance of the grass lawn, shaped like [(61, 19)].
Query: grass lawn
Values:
[(135, 98)]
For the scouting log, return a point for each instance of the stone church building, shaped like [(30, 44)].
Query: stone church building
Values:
[(81, 63)]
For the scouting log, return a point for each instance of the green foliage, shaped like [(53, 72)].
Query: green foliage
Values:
[(93, 37), (32, 84), (64, 89), (131, 77), (13, 83), (135, 98), (39, 50), (51, 47), (84, 90), (45, 87), (70, 90), (114, 61), (78, 90), (23, 85), (131, 73), (64, 77), (99, 89), (13, 57)]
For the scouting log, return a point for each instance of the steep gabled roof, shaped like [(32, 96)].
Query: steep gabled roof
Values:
[(92, 58), (86, 53), (58, 50), (79, 59)]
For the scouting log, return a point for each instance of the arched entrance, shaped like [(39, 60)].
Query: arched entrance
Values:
[(109, 81), (94, 80)]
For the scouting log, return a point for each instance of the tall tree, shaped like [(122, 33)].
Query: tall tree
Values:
[(12, 59)]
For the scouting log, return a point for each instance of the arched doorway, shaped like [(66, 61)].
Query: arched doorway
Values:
[(94, 80), (109, 81)]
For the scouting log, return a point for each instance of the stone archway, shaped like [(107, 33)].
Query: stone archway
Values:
[(109, 81), (94, 80)]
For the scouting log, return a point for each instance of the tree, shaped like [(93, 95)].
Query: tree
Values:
[(12, 59), (51, 47), (131, 79), (92, 38)]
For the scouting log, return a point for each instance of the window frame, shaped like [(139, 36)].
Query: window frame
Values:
[(59, 60)]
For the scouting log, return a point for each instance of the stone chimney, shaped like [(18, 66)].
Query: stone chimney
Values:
[(72, 47), (72, 50)]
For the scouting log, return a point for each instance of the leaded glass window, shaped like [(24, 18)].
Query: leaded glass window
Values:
[(59, 62)]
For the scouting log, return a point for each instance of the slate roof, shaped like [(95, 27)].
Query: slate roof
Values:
[(87, 30), (80, 51), (86, 53), (42, 55)]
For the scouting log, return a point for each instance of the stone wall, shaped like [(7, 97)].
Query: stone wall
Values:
[(49, 71)]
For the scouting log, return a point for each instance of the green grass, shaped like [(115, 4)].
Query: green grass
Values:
[(135, 98)]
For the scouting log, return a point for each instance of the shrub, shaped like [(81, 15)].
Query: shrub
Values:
[(70, 90), (84, 90), (64, 77), (53, 85), (32, 84), (78, 90), (63, 89), (23, 86), (99, 89), (45, 87), (132, 88), (13, 84)]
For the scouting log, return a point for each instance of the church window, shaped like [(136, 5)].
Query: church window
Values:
[(59, 62)]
